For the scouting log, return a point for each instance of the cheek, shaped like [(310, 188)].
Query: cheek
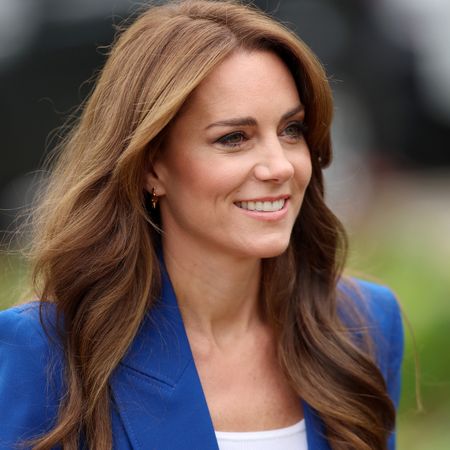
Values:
[(303, 170), (190, 179), (212, 176)]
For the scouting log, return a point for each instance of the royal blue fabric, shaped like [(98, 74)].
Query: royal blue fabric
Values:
[(157, 398)]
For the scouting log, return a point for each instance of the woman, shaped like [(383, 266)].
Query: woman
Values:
[(188, 269)]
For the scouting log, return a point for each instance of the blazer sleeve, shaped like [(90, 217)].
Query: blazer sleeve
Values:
[(28, 399), (396, 349), (387, 331)]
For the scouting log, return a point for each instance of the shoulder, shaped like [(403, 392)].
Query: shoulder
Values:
[(22, 332), (30, 372), (376, 304), (18, 316)]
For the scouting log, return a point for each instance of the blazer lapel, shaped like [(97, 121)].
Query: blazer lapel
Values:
[(156, 389)]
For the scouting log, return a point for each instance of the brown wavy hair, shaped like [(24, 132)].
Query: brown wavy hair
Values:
[(95, 239)]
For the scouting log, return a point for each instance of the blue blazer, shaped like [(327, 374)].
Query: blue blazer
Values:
[(156, 395)]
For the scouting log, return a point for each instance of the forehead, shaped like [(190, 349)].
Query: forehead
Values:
[(244, 83)]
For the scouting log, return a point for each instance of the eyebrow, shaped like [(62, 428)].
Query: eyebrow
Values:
[(250, 121)]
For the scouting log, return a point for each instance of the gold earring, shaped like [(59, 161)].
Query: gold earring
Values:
[(154, 198)]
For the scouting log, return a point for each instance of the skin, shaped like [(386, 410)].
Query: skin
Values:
[(238, 138)]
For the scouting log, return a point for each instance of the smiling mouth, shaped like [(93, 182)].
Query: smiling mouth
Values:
[(265, 206)]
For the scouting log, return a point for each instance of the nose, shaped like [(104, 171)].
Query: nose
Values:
[(273, 164)]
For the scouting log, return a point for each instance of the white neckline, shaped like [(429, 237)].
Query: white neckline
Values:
[(298, 427)]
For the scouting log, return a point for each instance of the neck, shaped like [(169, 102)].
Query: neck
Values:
[(218, 295)]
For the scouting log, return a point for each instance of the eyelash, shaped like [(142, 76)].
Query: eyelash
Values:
[(226, 140)]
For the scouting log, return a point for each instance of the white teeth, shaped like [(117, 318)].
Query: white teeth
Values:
[(262, 206)]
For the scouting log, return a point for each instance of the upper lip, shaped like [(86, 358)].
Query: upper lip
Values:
[(265, 199)]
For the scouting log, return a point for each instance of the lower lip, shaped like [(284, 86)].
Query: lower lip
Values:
[(267, 216)]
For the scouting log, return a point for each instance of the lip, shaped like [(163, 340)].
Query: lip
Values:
[(265, 216)]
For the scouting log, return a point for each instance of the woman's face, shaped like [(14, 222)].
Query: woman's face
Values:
[(233, 171)]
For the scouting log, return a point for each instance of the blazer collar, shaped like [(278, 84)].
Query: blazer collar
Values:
[(157, 392)]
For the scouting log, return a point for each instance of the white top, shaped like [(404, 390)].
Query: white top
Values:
[(289, 438)]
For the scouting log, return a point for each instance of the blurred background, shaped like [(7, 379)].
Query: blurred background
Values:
[(389, 66)]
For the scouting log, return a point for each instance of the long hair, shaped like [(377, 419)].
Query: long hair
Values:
[(95, 240)]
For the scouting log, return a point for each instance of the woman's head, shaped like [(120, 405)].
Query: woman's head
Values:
[(156, 65)]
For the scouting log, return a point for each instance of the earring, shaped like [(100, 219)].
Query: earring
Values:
[(154, 198)]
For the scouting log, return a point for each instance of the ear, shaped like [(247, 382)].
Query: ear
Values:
[(155, 177)]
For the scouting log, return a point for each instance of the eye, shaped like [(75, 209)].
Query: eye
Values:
[(234, 139), (294, 130)]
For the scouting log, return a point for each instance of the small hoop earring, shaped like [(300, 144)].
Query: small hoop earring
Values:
[(154, 198)]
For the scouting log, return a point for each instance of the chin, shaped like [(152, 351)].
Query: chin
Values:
[(271, 250)]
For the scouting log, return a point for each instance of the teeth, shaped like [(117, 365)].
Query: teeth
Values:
[(262, 206)]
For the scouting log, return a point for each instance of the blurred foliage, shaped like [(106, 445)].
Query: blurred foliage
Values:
[(413, 267), (14, 281), (411, 264)]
